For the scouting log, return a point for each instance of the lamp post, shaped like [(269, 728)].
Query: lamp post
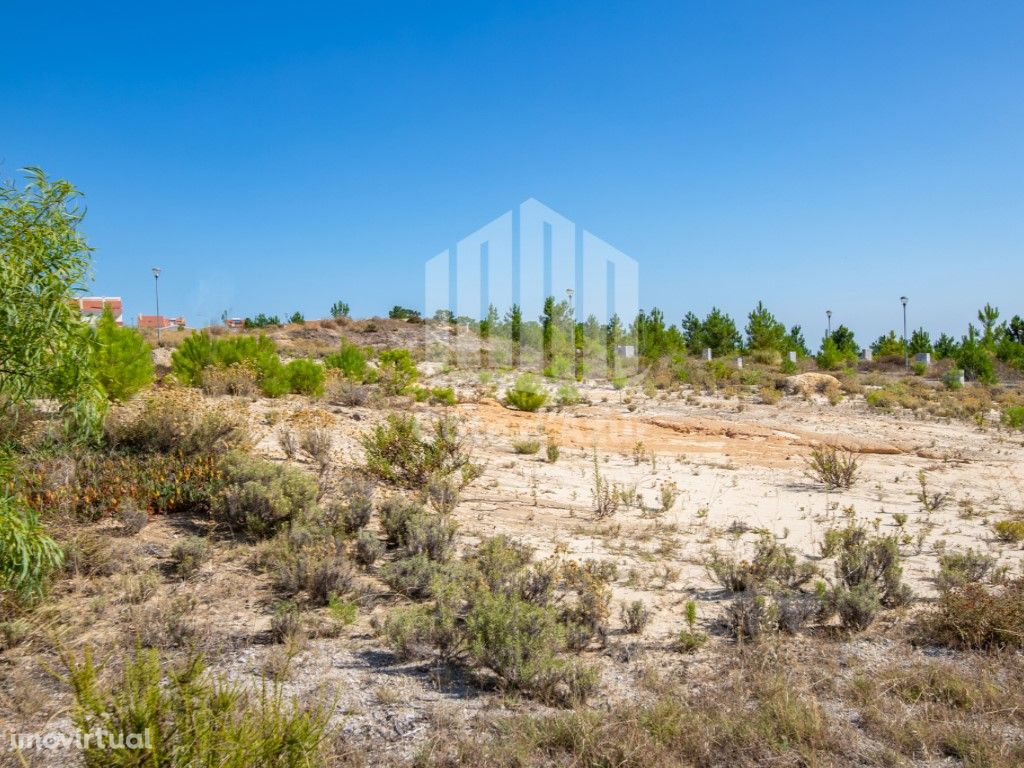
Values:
[(906, 349), (156, 288), (828, 314)]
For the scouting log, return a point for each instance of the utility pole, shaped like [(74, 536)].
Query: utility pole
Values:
[(828, 314), (906, 349), (156, 287)]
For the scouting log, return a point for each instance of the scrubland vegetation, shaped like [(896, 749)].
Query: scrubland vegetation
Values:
[(328, 548)]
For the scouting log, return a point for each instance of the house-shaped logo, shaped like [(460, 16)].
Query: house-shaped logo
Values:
[(526, 258)]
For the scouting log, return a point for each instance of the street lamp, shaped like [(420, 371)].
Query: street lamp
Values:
[(906, 349), (156, 287), (828, 314)]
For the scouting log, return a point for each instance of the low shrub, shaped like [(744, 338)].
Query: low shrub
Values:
[(635, 616), (1013, 417), (1011, 531), (552, 452), (856, 606), (973, 617), (331, 578), (772, 566), (350, 360), (526, 447), (165, 425), (95, 485), (396, 371), (868, 574), (188, 556), (527, 394), (258, 496), (368, 549), (305, 377), (412, 576), (190, 718), (831, 467), (519, 642), (398, 453), (966, 567), (132, 518), (239, 379)]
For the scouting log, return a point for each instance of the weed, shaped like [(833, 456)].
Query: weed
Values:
[(635, 616)]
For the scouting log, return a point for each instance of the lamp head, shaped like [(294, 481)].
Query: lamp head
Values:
[(904, 300), (156, 271)]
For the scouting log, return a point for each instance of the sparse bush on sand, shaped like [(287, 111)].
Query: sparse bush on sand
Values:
[(832, 468)]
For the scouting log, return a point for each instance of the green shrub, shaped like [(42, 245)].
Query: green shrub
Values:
[(856, 606), (1013, 417), (957, 569), (368, 549), (27, 554), (553, 452), (412, 576), (350, 360), (527, 447), (952, 379), (868, 573), (518, 641), (397, 453), (772, 566), (305, 377), (331, 578), (396, 370), (188, 556), (190, 718), (443, 396), (831, 467), (1011, 531), (568, 395), (123, 359), (259, 496), (527, 395)]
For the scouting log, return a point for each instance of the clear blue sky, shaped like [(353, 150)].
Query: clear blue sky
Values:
[(279, 156)]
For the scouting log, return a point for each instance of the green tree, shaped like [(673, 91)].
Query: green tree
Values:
[(297, 318), (794, 342), (547, 323), (920, 342), (845, 343), (888, 345), (44, 262), (945, 346), (974, 359), (487, 325), (719, 333), (339, 309), (403, 313), (987, 316), (515, 322), (612, 336), (764, 332), (123, 360)]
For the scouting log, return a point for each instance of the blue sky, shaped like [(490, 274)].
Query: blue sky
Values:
[(275, 157)]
